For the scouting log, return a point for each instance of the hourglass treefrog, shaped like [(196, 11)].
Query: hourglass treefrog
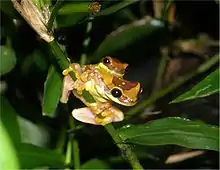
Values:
[(104, 84)]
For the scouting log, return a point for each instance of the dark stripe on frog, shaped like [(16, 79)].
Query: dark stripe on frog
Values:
[(124, 84), (88, 97)]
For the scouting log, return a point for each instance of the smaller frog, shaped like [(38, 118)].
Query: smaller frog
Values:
[(104, 83)]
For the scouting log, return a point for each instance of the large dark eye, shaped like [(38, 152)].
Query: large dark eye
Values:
[(116, 93), (106, 60)]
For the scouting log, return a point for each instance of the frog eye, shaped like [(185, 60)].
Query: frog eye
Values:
[(116, 93), (141, 90), (106, 60)]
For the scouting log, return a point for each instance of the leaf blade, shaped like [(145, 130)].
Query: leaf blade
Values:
[(95, 164), (9, 120), (8, 157), (52, 91), (32, 156), (206, 87), (8, 59), (116, 7), (177, 131), (70, 8), (126, 35)]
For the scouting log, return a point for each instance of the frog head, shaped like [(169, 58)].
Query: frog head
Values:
[(124, 92), (117, 89), (113, 66)]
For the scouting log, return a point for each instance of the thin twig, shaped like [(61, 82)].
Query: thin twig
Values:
[(54, 13), (126, 149), (160, 72), (68, 153), (179, 157), (75, 148), (158, 6)]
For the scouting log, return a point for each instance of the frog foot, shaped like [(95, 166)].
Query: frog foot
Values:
[(103, 121), (68, 70), (101, 108), (68, 85), (74, 67)]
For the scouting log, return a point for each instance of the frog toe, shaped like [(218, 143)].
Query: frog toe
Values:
[(106, 121)]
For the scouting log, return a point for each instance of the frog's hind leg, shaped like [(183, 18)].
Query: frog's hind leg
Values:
[(87, 116), (84, 115)]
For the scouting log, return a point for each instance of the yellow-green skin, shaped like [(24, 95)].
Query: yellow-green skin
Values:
[(99, 80)]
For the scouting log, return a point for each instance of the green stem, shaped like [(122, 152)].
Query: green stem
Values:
[(68, 153), (160, 72), (61, 140), (83, 58), (61, 58), (76, 157), (126, 149), (54, 13), (202, 68)]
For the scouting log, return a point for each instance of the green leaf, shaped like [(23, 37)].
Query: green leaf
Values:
[(208, 86), (128, 35), (177, 131), (36, 58), (8, 157), (52, 91), (71, 8), (7, 58), (32, 156), (40, 60), (33, 133), (116, 7), (95, 164), (7, 7), (70, 20), (9, 120)]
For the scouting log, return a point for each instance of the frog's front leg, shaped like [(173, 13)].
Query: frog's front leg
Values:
[(99, 116), (74, 67), (68, 86)]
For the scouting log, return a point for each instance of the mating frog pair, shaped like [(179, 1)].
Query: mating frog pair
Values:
[(103, 84)]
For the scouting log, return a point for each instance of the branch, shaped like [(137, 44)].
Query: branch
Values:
[(126, 149), (53, 15)]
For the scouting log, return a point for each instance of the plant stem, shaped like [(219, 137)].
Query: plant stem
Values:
[(53, 15), (61, 58), (158, 5), (76, 157), (83, 58), (202, 68), (126, 149), (61, 140), (160, 71), (68, 153)]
